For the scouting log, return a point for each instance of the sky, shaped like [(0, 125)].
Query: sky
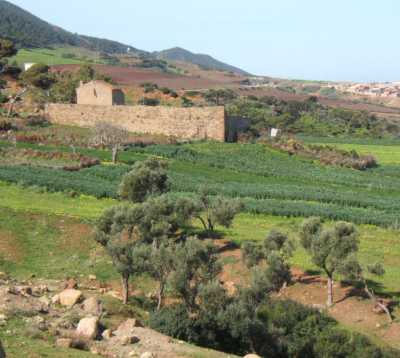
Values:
[(346, 40)]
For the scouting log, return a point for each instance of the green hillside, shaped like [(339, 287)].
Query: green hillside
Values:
[(29, 31)]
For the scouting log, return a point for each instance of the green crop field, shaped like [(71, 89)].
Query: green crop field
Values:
[(56, 56)]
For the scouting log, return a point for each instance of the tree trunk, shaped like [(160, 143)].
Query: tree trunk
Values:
[(329, 303), (125, 288), (372, 296), (114, 155), (160, 296), (203, 222)]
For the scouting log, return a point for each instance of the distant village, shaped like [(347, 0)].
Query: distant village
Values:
[(387, 89)]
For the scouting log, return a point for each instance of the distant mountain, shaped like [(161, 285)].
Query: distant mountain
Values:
[(204, 61), (29, 31)]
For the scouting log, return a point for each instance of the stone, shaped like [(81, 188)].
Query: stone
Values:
[(107, 334), (40, 290), (88, 327), (64, 342), (71, 284), (148, 355), (92, 278), (126, 340), (252, 356), (127, 327), (55, 299), (70, 297), (45, 301), (92, 305)]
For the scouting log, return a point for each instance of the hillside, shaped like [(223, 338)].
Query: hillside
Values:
[(29, 31), (204, 61)]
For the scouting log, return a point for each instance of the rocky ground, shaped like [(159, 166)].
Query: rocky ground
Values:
[(73, 317)]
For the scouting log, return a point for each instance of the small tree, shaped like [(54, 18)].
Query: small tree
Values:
[(86, 73), (7, 49), (276, 250), (195, 264), (109, 136), (115, 235), (330, 249), (220, 210), (147, 178), (38, 76)]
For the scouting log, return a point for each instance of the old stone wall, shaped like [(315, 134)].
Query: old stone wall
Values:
[(185, 123)]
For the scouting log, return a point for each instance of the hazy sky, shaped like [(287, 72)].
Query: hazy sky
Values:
[(309, 39)]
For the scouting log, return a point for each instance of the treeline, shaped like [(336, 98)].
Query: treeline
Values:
[(307, 117)]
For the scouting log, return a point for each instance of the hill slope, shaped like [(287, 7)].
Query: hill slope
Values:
[(204, 61), (29, 31)]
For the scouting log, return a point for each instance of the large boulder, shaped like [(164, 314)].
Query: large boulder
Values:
[(127, 327), (92, 305), (70, 297), (88, 328)]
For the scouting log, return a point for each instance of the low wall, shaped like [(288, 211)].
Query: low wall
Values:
[(185, 123)]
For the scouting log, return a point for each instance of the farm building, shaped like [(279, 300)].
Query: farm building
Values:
[(99, 93)]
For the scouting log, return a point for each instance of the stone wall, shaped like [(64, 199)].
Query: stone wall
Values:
[(185, 123)]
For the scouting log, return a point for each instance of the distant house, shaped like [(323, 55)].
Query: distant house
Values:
[(99, 93)]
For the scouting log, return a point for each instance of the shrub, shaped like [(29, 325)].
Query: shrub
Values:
[(150, 101), (5, 125)]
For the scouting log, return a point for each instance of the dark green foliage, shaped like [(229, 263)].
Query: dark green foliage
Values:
[(38, 76), (186, 102), (149, 87), (150, 101), (86, 73), (307, 117), (146, 179), (219, 97)]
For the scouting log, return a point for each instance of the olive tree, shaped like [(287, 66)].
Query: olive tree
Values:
[(219, 97), (147, 178), (109, 136), (330, 248), (276, 250), (212, 211)]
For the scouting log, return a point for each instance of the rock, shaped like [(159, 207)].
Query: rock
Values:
[(88, 327), (148, 355), (92, 305), (64, 342), (70, 297), (126, 340), (127, 328), (55, 299), (252, 356), (3, 276), (107, 334), (40, 290), (70, 284), (92, 278), (25, 291)]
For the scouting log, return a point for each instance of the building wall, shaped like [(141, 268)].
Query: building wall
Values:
[(185, 123), (94, 93)]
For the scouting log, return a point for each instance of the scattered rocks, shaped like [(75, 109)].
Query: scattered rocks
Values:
[(70, 297), (127, 340), (88, 328), (64, 343), (40, 290)]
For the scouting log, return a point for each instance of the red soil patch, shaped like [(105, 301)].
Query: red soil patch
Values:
[(130, 76)]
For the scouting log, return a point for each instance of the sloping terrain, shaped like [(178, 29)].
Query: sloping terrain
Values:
[(204, 61), (27, 30)]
